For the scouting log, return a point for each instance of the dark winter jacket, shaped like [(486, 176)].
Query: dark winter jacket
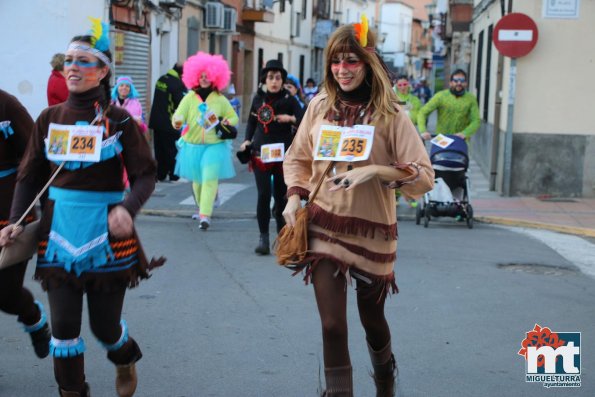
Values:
[(169, 91)]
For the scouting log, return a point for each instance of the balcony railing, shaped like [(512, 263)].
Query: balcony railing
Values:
[(258, 11)]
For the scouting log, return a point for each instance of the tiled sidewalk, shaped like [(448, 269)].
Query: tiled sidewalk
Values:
[(574, 216)]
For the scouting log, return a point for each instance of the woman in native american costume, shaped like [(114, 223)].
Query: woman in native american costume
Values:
[(352, 226)]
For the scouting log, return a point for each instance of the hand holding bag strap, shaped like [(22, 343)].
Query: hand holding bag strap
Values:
[(25, 244), (317, 188)]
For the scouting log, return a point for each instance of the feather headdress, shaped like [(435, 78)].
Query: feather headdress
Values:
[(99, 33), (99, 41), (361, 31)]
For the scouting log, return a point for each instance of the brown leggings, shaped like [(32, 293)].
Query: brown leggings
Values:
[(105, 309), (331, 298)]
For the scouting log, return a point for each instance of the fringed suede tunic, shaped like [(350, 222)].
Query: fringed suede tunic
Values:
[(104, 176), (356, 228)]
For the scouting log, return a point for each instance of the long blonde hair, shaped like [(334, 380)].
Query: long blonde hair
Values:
[(344, 41)]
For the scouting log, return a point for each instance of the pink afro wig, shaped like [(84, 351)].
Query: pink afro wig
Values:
[(213, 65)]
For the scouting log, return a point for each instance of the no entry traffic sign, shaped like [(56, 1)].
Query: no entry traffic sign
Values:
[(515, 35)]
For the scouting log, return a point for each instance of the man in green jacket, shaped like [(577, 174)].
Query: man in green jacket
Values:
[(458, 113), (408, 102)]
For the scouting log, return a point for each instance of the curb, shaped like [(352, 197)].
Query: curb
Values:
[(188, 214), (577, 231)]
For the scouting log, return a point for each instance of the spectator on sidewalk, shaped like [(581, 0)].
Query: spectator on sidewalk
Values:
[(87, 209), (352, 227), (204, 155), (458, 113), (15, 130), (57, 91), (169, 91), (273, 113)]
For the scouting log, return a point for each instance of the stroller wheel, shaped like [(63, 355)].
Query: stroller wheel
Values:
[(418, 214), (469, 216)]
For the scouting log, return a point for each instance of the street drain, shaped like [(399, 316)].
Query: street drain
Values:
[(536, 268)]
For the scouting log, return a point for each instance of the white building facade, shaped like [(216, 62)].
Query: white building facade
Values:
[(551, 127)]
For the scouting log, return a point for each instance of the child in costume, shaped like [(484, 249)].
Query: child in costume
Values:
[(88, 243), (125, 95), (204, 154), (15, 129)]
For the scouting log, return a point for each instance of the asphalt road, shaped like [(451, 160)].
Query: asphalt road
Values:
[(218, 320)]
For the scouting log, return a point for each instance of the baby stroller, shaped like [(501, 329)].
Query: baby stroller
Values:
[(450, 196)]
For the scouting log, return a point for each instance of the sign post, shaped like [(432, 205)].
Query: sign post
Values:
[(515, 35)]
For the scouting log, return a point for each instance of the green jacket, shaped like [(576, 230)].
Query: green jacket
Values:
[(455, 114), (410, 104), (189, 113)]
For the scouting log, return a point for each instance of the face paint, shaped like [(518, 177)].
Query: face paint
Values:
[(348, 71), (79, 63), (348, 61), (82, 71)]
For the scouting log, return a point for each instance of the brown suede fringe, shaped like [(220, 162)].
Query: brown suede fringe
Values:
[(53, 277), (356, 249), (300, 191), (348, 224), (387, 283)]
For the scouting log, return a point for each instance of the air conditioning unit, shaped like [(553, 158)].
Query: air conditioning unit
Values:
[(214, 15), (230, 17)]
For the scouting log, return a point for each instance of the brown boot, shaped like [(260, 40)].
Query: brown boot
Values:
[(385, 370), (126, 380), (84, 393), (339, 382)]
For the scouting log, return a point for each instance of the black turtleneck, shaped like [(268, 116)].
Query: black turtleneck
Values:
[(361, 94), (83, 100), (204, 92)]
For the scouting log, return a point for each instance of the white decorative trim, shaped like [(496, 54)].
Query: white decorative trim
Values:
[(65, 343), (74, 251)]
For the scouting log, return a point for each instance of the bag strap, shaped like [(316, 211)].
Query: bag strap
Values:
[(317, 188), (41, 192)]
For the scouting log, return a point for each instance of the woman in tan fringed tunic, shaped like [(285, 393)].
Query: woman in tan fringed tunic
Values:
[(352, 221)]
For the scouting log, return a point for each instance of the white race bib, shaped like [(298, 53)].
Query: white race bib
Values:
[(344, 143), (74, 142), (272, 153)]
